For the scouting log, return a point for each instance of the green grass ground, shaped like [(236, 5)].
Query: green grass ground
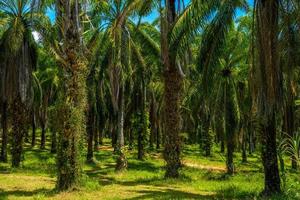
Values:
[(202, 178)]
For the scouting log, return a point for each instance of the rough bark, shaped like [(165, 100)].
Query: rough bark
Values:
[(173, 86), (270, 89), (269, 158), (90, 133), (19, 128), (172, 96), (4, 120), (72, 107)]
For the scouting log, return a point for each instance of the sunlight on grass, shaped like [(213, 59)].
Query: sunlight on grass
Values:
[(202, 178)]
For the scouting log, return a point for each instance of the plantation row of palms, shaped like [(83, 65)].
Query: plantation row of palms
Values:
[(200, 72)]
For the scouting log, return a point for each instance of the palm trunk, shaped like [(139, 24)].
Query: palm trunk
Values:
[(113, 130), (96, 134), (26, 136), (244, 146), (251, 140), (222, 145), (121, 160), (220, 132), (152, 137), (33, 126), (143, 124), (158, 135), (270, 91), (101, 134), (44, 120), (172, 97), (4, 116), (70, 137), (73, 97), (43, 135), (230, 125), (19, 127), (269, 158), (90, 134), (206, 137), (173, 86), (153, 133), (53, 142)]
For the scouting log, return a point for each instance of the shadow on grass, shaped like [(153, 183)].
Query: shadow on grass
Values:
[(143, 166), (170, 194), (233, 192), (210, 175), (21, 193)]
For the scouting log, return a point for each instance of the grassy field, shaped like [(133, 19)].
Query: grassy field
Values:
[(202, 178)]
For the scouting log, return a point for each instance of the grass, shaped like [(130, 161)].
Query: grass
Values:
[(202, 178)]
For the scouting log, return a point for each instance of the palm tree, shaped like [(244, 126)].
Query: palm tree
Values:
[(72, 102), (18, 60), (145, 62), (211, 50), (182, 28), (179, 28), (270, 88), (289, 42), (117, 15), (48, 84)]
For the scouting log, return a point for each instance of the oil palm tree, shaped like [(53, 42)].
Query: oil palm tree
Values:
[(269, 96), (18, 60), (72, 97), (288, 41), (48, 81), (116, 14), (177, 27), (181, 27)]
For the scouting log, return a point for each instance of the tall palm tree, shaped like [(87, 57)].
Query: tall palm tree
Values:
[(289, 42), (116, 14), (73, 96), (176, 30), (181, 26), (48, 83), (18, 60), (269, 97)]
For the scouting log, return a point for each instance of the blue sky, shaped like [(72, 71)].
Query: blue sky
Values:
[(149, 18)]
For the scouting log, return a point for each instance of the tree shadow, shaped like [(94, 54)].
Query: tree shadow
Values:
[(170, 194), (233, 192), (155, 181), (216, 176), (143, 166), (22, 193)]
